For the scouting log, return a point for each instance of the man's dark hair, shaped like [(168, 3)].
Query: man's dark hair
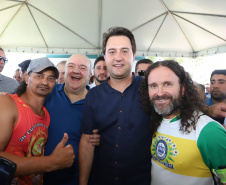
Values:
[(218, 72), (1, 49), (21, 88), (118, 31), (98, 59), (190, 101), (143, 61), (92, 79), (24, 65)]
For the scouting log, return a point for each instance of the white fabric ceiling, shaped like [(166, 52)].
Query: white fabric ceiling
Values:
[(173, 28)]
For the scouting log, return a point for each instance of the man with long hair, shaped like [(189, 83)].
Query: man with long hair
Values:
[(24, 123), (187, 145), (115, 109)]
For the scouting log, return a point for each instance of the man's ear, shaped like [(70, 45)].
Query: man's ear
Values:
[(26, 77)]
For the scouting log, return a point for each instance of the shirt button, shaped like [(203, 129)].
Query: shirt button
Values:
[(117, 145), (116, 162), (119, 128), (120, 111), (122, 94), (116, 178)]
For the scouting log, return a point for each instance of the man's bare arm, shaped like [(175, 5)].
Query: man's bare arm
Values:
[(85, 159), (62, 156)]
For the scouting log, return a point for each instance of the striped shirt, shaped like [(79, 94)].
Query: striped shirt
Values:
[(7, 84)]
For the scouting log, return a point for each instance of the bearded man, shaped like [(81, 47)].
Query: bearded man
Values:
[(218, 90), (187, 145)]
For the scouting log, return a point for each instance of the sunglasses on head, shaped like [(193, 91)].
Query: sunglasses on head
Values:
[(5, 59), (141, 72)]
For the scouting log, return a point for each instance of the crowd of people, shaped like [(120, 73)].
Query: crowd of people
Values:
[(152, 126)]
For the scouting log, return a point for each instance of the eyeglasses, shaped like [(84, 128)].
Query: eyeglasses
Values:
[(141, 72), (5, 59)]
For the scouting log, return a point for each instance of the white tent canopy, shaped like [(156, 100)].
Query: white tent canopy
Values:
[(175, 28)]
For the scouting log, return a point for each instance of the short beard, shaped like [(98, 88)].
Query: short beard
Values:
[(43, 93), (100, 81), (173, 106), (220, 98)]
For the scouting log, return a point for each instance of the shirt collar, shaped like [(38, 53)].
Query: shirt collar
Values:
[(1, 78), (210, 101), (177, 117), (60, 87), (110, 89)]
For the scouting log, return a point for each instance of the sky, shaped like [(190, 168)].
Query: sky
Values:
[(200, 73)]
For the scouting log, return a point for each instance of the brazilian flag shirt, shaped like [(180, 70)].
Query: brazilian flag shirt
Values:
[(186, 158)]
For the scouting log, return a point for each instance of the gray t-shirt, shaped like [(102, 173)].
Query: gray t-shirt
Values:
[(7, 84)]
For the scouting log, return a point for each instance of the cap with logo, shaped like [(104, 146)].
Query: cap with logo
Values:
[(39, 64)]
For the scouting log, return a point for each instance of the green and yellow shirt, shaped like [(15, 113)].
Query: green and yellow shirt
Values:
[(186, 158)]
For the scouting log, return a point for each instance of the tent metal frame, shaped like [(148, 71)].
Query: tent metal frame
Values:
[(97, 49)]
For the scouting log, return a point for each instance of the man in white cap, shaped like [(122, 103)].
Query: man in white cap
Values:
[(24, 123)]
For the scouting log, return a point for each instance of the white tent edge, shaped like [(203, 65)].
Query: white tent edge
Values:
[(70, 51)]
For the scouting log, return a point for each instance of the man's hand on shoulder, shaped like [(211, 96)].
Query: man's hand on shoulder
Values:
[(94, 139), (217, 110)]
